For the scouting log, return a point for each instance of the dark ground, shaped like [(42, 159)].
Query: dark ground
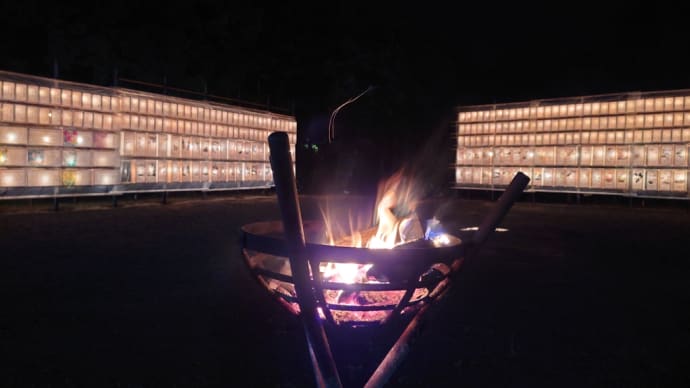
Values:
[(147, 295)]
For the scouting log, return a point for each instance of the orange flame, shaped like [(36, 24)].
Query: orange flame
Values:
[(395, 200), (395, 223)]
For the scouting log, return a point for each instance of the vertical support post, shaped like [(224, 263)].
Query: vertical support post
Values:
[(325, 369)]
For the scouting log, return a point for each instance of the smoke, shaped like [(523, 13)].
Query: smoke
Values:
[(426, 170)]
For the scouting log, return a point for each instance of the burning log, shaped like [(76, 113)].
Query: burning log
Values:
[(410, 229)]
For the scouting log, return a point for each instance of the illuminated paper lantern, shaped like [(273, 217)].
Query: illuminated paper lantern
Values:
[(651, 180), (36, 157), (538, 177), (69, 158), (638, 179), (43, 177), (597, 178), (680, 180), (665, 179), (69, 177), (584, 177), (680, 156), (622, 179), (652, 155), (70, 136), (12, 177)]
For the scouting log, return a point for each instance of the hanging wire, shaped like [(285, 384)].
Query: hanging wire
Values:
[(331, 122)]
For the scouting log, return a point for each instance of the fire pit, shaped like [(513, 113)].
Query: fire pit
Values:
[(398, 274), (405, 276)]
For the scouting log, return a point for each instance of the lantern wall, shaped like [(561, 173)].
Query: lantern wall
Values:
[(62, 134), (625, 144)]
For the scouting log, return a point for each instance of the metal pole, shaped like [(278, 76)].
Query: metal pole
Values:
[(283, 176)]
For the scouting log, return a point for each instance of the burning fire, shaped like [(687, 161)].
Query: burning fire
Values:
[(391, 231), (396, 220), (348, 273), (396, 224)]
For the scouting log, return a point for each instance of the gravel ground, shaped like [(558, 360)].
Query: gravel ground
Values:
[(149, 295)]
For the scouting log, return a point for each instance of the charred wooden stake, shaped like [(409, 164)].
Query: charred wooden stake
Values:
[(402, 346), (325, 369), (500, 209)]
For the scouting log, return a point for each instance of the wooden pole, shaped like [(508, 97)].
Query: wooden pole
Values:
[(402, 346), (503, 205), (325, 370)]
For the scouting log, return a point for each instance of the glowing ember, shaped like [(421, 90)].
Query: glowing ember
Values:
[(348, 273), (475, 228), (441, 240)]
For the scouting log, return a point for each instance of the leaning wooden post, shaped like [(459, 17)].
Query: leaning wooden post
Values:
[(325, 369), (401, 348)]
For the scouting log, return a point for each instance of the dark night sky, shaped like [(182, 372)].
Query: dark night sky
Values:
[(424, 58)]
